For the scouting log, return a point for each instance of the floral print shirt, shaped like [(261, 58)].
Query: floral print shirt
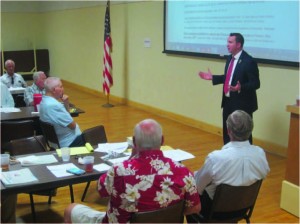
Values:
[(148, 182)]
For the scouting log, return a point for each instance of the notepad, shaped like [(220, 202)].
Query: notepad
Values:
[(78, 150), (15, 177)]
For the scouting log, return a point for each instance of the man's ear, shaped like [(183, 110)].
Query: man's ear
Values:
[(162, 140)]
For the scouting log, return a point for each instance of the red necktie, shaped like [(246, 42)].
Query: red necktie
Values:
[(228, 75)]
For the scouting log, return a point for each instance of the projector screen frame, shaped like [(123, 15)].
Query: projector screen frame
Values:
[(217, 56)]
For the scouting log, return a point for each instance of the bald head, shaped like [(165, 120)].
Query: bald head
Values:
[(148, 134)]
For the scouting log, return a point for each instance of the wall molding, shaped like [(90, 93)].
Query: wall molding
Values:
[(267, 146)]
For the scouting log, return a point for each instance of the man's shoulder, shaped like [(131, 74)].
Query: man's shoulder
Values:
[(18, 75)]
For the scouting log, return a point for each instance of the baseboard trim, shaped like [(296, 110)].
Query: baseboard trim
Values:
[(267, 146)]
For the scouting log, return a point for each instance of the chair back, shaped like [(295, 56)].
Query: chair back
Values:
[(16, 129), (170, 214), (239, 201), (28, 145), (19, 100), (95, 135), (50, 135)]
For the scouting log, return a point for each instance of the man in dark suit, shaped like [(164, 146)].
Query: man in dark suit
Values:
[(241, 80)]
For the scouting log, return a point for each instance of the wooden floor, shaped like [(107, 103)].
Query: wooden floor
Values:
[(119, 122)]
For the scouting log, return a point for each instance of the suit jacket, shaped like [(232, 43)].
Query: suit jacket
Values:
[(246, 72)]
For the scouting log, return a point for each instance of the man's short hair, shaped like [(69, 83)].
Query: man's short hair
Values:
[(8, 61), (238, 38), (148, 134), (240, 124), (51, 83), (36, 75)]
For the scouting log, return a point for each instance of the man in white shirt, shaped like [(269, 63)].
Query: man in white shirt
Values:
[(238, 163), (6, 98), (10, 78)]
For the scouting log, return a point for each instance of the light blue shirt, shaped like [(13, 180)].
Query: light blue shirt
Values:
[(54, 112), (6, 98)]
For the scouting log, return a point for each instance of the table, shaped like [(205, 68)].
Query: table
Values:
[(16, 90), (47, 179), (26, 114)]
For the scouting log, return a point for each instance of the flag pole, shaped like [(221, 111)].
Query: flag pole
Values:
[(107, 102), (107, 61)]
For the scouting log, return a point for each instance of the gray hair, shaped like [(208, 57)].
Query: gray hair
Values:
[(240, 124), (8, 61), (51, 83), (148, 134), (36, 75)]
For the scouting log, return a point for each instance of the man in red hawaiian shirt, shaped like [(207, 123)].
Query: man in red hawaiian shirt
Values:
[(147, 181)]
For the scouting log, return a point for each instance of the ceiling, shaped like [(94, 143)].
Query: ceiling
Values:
[(45, 6)]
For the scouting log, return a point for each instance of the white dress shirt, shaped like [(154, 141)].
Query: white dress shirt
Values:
[(236, 164), (18, 80)]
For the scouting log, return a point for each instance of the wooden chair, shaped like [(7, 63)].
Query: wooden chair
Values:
[(94, 136), (19, 100), (11, 130), (50, 135), (31, 145), (232, 203), (170, 214)]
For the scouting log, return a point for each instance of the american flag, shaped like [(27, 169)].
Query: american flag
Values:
[(107, 62)]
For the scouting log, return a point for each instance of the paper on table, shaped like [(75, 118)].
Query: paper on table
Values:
[(16, 88), (9, 109), (115, 147), (117, 160), (37, 160), (78, 150), (102, 167), (61, 170), (178, 155), (14, 177)]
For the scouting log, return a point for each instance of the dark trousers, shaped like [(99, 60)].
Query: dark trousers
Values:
[(206, 203), (78, 141)]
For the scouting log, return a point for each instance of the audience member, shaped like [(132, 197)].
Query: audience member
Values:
[(57, 114), (238, 163), (147, 181), (10, 78), (6, 98), (36, 87)]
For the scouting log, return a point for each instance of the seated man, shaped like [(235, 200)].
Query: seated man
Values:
[(57, 114), (6, 98), (36, 87), (10, 78), (147, 181), (238, 163)]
